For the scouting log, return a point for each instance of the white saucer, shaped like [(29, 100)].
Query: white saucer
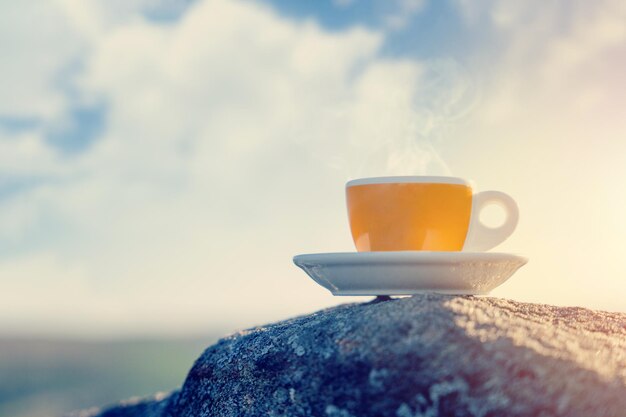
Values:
[(404, 273)]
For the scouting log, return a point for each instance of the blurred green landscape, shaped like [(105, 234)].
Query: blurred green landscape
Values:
[(42, 378)]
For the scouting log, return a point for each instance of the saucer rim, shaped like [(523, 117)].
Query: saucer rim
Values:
[(396, 257)]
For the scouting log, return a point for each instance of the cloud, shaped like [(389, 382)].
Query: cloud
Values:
[(39, 56), (402, 12), (227, 135), (220, 132), (554, 55)]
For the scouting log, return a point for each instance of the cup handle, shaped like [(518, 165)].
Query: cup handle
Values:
[(481, 237)]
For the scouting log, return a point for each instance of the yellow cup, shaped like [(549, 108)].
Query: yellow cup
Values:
[(424, 213)]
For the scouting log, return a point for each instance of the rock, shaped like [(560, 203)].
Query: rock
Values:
[(428, 355)]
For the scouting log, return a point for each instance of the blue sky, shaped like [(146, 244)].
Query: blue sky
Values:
[(160, 163), (426, 30)]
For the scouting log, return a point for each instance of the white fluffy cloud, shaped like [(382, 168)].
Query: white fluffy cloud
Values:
[(228, 135), (36, 47), (560, 55), (220, 133)]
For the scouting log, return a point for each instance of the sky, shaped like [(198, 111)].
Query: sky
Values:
[(161, 162)]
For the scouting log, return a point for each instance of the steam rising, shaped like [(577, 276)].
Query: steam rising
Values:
[(414, 122)]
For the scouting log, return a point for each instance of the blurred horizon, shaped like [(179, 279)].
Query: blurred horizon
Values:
[(42, 378), (161, 162)]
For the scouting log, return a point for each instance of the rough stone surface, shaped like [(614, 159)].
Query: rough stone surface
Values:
[(423, 356)]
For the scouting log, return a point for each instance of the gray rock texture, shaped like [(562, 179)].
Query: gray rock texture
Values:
[(423, 356)]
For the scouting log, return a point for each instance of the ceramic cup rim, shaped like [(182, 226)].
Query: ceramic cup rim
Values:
[(423, 179)]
